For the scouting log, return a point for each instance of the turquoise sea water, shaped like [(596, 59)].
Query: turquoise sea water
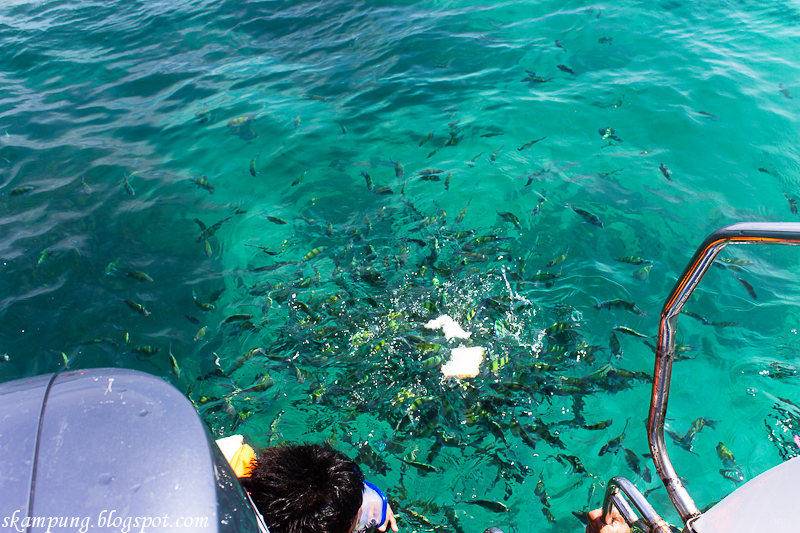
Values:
[(109, 109)]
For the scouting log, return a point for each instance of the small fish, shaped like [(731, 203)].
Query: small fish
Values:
[(489, 505), (574, 461), (146, 350), (127, 185), (139, 308), (175, 368), (792, 204), (558, 45), (538, 208), (558, 327), (564, 68), (300, 179), (510, 217), (493, 157), (636, 465), (529, 144), (492, 134), (203, 116), (725, 454), (533, 78), (208, 250), (471, 162), (191, 319), (236, 318), (614, 444), (619, 304), (19, 191), (629, 331), (240, 120), (735, 474), (461, 214), (201, 305), (764, 170), (316, 98), (541, 275), (422, 467), (205, 232), (541, 491), (665, 171), (698, 424), (453, 140), (447, 182), (276, 220), (344, 130), (587, 216), (736, 261), (784, 91), (613, 343), (369, 180), (247, 356), (398, 169), (46, 254), (383, 190), (605, 40), (600, 425), (253, 170), (608, 133), (139, 276), (747, 287), (642, 273), (86, 189), (709, 115), (200, 334), (430, 171), (296, 121), (634, 260), (203, 183), (426, 139), (560, 259), (313, 253)]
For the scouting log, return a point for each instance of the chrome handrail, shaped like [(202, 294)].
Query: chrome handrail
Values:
[(619, 485), (742, 233)]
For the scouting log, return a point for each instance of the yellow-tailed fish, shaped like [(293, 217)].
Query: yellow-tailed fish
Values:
[(137, 307), (203, 183), (175, 368), (298, 180)]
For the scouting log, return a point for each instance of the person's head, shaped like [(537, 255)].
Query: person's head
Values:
[(308, 488)]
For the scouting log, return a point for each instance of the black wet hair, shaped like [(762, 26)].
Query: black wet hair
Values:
[(307, 488)]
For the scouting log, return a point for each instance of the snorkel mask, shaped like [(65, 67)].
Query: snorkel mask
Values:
[(373, 508)]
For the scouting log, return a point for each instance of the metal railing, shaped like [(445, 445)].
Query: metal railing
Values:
[(619, 486), (742, 233)]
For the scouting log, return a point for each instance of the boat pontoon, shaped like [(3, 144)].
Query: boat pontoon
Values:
[(112, 450)]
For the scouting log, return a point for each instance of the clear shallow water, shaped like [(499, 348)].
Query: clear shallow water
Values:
[(95, 91)]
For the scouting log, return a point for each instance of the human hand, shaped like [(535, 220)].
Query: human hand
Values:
[(390, 520), (616, 524)]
